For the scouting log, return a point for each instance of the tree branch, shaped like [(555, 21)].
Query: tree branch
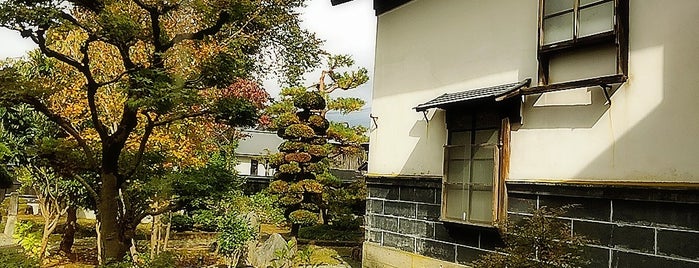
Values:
[(87, 186), (62, 123), (223, 18), (142, 145)]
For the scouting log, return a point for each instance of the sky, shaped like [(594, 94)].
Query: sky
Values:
[(349, 28)]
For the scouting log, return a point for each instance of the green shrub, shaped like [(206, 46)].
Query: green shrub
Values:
[(347, 222), (303, 217), (28, 234), (541, 240), (205, 220), (329, 233), (182, 222), (234, 232), (166, 259), (15, 257)]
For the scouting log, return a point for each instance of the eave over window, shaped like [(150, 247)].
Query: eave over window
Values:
[(488, 93)]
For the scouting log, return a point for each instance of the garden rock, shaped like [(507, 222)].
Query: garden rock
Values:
[(264, 255)]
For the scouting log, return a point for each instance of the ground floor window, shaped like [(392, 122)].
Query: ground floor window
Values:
[(471, 191)]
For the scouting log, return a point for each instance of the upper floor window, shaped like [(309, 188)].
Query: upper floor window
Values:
[(568, 21), (571, 32)]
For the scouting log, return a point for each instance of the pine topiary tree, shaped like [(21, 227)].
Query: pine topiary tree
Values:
[(299, 118)]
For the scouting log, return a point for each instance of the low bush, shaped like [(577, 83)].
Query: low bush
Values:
[(205, 220), (15, 257), (182, 222), (329, 233)]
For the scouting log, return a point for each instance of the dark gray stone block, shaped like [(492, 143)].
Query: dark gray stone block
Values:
[(383, 223), (635, 238), (428, 212), (678, 243), (413, 227), (466, 255), (632, 260), (373, 236), (401, 209), (424, 195), (521, 203), (582, 208), (596, 233), (597, 257), (374, 206), (437, 250), (385, 192), (491, 239), (677, 215), (401, 242)]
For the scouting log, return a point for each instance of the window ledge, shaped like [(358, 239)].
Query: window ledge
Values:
[(481, 225), (597, 81)]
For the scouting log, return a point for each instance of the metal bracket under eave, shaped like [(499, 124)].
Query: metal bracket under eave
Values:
[(605, 89), (373, 119), (424, 113)]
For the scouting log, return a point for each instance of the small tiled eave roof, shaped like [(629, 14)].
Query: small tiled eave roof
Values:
[(473, 94)]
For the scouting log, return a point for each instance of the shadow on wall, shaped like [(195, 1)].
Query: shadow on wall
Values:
[(429, 137), (550, 116)]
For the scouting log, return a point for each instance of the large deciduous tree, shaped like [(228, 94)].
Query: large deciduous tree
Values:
[(140, 65)]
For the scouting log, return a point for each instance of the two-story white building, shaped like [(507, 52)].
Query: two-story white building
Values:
[(486, 110)]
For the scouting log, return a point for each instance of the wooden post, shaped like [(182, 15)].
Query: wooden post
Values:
[(12, 214)]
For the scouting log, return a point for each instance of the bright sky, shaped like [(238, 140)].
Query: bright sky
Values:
[(349, 28)]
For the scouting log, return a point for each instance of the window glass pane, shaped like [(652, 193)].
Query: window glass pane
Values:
[(597, 19), (489, 136), (553, 6), (458, 171), (559, 28), (457, 202), (483, 152), (483, 171), (458, 152), (460, 138), (481, 206)]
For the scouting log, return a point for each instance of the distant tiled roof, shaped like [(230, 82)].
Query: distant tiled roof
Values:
[(258, 143), (472, 94)]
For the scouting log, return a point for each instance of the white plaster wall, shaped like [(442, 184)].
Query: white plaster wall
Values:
[(430, 47), (649, 131), (243, 167)]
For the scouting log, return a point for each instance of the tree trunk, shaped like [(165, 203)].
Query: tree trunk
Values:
[(112, 233), (155, 221), (167, 231), (69, 231)]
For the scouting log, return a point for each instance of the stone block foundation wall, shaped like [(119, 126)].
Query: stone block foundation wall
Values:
[(629, 226), (632, 227), (403, 213)]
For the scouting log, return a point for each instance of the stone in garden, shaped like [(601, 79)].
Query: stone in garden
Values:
[(264, 255)]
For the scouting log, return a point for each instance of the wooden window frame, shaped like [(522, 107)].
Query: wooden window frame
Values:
[(618, 36), (500, 173)]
